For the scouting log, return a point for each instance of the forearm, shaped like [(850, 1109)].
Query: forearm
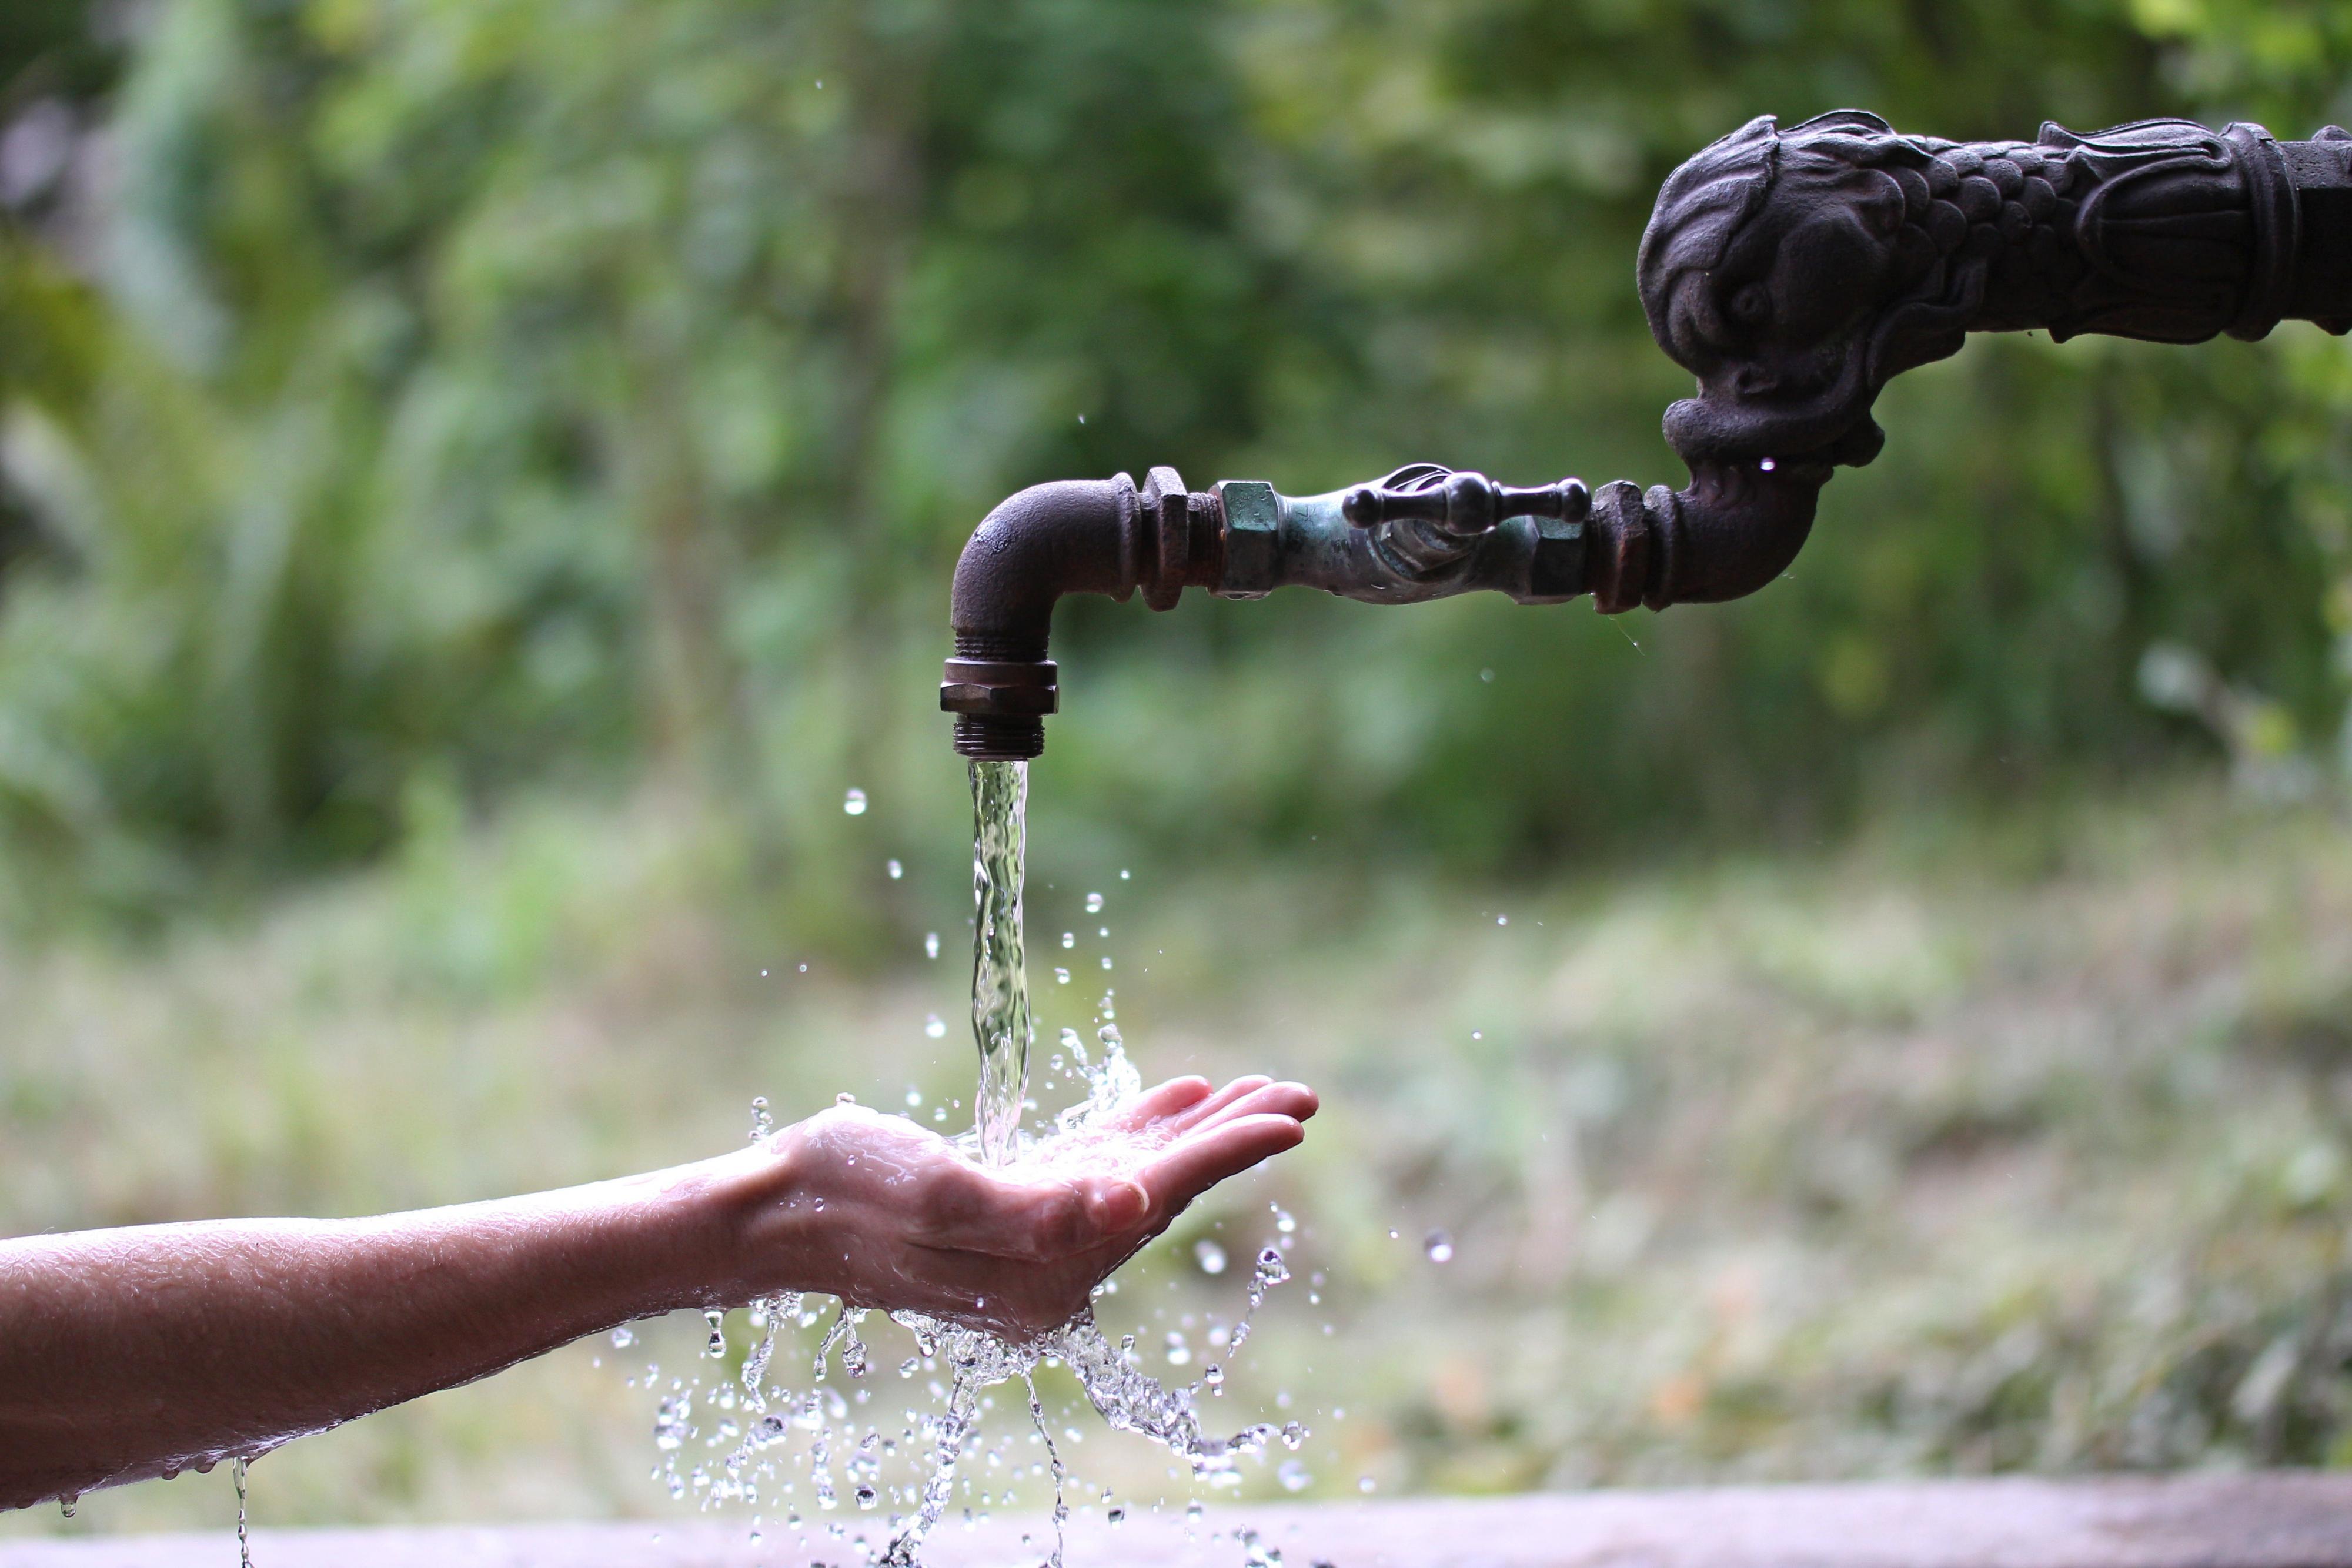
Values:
[(126, 1354)]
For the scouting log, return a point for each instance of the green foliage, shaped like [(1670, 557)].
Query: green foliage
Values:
[(523, 388)]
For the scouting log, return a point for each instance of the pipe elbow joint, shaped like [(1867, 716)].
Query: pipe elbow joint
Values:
[(1066, 536), (1734, 529)]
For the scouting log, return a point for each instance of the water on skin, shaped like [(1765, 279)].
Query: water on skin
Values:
[(999, 984), (748, 1424), (754, 1423)]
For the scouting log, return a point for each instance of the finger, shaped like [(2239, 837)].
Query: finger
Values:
[(1295, 1100), (1164, 1100), (1196, 1163), (1194, 1114)]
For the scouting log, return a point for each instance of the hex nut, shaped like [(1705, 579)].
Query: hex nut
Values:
[(1253, 538), (1557, 567)]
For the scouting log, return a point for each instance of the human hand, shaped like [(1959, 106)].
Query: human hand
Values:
[(887, 1214)]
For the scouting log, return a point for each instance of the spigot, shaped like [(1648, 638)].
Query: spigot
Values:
[(1794, 272), (1422, 532), (1088, 535), (1422, 518)]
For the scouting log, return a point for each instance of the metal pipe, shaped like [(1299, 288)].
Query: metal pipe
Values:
[(1794, 273), (1420, 533), (1071, 536)]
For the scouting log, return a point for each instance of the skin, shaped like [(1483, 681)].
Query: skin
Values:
[(131, 1353)]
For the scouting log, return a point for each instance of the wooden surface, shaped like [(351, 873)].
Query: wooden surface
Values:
[(2270, 1520)]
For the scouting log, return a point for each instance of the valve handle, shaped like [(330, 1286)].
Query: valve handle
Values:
[(1464, 504)]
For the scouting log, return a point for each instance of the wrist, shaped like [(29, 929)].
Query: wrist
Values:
[(748, 1224)]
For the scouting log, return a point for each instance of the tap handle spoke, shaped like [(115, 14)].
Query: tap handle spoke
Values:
[(1464, 504)]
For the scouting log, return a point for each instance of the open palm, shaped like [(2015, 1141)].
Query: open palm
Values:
[(897, 1218)]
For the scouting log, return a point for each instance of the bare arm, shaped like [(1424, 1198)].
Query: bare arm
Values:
[(130, 1354)]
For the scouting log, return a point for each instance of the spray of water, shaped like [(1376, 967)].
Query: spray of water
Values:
[(755, 1425), (763, 1441)]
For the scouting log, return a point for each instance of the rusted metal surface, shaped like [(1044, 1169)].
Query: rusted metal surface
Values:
[(1794, 273), (2262, 1521)]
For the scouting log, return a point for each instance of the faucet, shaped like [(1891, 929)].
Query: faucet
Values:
[(1794, 272)]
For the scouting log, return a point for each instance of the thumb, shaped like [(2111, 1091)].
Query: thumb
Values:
[(1117, 1206)]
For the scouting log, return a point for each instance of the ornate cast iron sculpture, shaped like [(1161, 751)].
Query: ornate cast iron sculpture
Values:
[(1794, 273)]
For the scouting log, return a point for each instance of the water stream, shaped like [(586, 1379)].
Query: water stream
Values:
[(244, 1537), (750, 1426), (1000, 1024)]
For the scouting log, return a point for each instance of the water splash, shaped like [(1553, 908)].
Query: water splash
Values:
[(750, 1442), (735, 1443), (1000, 1024)]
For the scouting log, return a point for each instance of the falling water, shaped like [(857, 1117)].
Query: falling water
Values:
[(748, 1426), (999, 984), (754, 1423), (244, 1540)]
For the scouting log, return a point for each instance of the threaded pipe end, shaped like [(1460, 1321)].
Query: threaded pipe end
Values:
[(991, 737)]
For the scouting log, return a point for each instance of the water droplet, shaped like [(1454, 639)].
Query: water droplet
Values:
[(623, 1337), (1293, 1476), (1214, 1377), (1366, 1484), (1069, 938), (896, 870), (1767, 465), (1061, 975), (717, 1322), (1284, 1221), (1125, 875), (1210, 1256), (763, 1123), (1094, 904), (854, 802), (1486, 675), (1502, 920), (1106, 960), (936, 1026), (931, 943), (1439, 1246), (844, 1098), (1114, 1515), (914, 1099), (68, 1504)]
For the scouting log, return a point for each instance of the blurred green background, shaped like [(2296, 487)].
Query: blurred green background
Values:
[(477, 484)]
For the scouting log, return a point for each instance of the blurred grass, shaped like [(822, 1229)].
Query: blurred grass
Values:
[(1979, 1144)]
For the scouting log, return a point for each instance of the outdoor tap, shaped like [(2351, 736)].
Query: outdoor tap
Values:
[(1422, 532), (1794, 273)]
